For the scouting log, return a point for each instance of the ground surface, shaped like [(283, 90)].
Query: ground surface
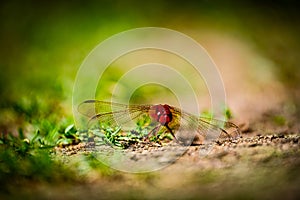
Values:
[(256, 165), (265, 166)]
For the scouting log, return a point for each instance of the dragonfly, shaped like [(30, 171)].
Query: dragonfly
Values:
[(170, 118)]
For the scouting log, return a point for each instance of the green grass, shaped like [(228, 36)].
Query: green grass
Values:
[(105, 134), (24, 160)]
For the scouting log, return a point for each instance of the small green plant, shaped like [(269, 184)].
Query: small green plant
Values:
[(118, 138), (143, 125), (161, 136), (227, 113), (210, 115), (279, 120), (115, 136), (207, 114), (112, 136), (68, 136)]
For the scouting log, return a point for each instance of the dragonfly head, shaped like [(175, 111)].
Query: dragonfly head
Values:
[(161, 113)]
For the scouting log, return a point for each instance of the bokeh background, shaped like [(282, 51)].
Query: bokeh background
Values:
[(255, 44), (43, 43)]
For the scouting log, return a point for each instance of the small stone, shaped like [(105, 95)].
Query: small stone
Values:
[(295, 140), (273, 137), (134, 157), (252, 145)]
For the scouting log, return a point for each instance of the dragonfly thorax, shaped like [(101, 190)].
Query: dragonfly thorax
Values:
[(161, 113)]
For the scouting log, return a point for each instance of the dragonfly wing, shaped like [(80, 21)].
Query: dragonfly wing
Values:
[(112, 114), (120, 118), (209, 129), (185, 127), (91, 108), (225, 129)]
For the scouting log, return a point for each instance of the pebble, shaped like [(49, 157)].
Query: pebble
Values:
[(252, 145), (134, 157)]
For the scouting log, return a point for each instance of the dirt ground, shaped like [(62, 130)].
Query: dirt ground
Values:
[(261, 164)]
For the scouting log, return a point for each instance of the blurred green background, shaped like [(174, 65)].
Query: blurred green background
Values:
[(43, 43)]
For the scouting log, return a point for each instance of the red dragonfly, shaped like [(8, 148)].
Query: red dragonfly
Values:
[(165, 116)]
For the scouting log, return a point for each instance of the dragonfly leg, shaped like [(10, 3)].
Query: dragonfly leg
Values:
[(227, 134), (170, 130), (154, 130)]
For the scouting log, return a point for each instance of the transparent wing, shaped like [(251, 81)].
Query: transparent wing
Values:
[(91, 108), (113, 114), (208, 128)]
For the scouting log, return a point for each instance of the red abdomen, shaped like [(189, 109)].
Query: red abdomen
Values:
[(161, 113)]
